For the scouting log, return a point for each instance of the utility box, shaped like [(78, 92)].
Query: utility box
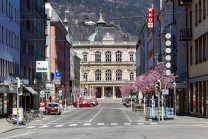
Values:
[(152, 113), (14, 111)]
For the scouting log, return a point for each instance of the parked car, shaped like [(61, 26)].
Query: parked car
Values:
[(128, 101), (84, 103), (123, 100), (53, 108), (95, 100)]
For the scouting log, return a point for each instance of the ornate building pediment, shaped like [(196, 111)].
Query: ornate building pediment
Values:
[(85, 52), (108, 37)]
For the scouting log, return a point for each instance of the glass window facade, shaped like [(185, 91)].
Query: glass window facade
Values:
[(198, 98)]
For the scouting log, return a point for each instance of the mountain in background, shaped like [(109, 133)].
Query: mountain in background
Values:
[(128, 16)]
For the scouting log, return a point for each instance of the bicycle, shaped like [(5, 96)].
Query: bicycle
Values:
[(12, 118)]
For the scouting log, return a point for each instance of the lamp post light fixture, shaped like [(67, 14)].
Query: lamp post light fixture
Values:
[(35, 82)]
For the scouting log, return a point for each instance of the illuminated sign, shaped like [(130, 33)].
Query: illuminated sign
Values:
[(150, 17)]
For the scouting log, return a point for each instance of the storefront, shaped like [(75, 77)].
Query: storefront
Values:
[(7, 100), (198, 98), (30, 97)]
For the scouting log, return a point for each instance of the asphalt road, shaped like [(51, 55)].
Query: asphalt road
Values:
[(103, 122)]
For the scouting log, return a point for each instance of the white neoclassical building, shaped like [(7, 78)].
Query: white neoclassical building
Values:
[(108, 60)]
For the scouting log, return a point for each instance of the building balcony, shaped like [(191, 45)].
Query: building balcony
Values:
[(103, 63), (184, 2), (185, 34), (103, 82)]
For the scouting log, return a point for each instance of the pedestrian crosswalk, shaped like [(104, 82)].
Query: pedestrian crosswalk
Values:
[(87, 125)]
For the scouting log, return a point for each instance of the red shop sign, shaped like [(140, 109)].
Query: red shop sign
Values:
[(150, 19)]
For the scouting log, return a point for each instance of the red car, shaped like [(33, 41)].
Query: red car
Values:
[(53, 108), (84, 103)]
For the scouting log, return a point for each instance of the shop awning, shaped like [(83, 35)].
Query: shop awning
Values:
[(31, 90)]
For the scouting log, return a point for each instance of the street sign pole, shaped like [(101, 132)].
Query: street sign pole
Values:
[(158, 105), (17, 101)]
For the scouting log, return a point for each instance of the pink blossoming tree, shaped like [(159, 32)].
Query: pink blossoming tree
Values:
[(146, 82), (93, 91), (77, 91), (127, 89)]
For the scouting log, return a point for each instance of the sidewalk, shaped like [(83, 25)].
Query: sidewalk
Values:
[(179, 119), (6, 127)]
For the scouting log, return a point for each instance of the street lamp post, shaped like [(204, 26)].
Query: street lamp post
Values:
[(174, 85), (83, 76)]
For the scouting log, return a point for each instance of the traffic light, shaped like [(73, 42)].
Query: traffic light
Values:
[(52, 76), (158, 85), (19, 86), (18, 82)]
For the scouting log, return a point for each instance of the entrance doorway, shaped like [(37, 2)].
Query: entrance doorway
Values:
[(108, 92), (98, 92), (118, 93)]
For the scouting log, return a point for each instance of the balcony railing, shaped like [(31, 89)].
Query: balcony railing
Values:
[(184, 2), (185, 34), (103, 63)]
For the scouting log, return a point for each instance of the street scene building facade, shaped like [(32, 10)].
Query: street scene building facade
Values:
[(107, 60), (104, 60), (188, 51), (9, 51)]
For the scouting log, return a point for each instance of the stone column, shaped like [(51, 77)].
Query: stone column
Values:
[(103, 91), (113, 92), (90, 91)]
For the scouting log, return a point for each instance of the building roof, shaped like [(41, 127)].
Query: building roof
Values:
[(101, 21)]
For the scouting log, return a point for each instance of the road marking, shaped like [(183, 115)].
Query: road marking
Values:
[(58, 125), (73, 125), (140, 123), (87, 124), (100, 124), (30, 126), (44, 126), (153, 123), (95, 115), (127, 116), (127, 123), (114, 123)]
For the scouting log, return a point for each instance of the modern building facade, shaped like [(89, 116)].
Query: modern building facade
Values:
[(196, 35), (9, 52), (58, 54), (166, 20), (39, 36), (171, 22), (107, 60)]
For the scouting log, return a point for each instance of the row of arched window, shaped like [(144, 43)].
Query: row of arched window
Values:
[(108, 75), (108, 55)]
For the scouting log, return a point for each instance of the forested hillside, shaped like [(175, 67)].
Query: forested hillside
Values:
[(121, 13)]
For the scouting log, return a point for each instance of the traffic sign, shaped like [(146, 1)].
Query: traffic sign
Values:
[(165, 92), (42, 93), (58, 74), (60, 92)]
